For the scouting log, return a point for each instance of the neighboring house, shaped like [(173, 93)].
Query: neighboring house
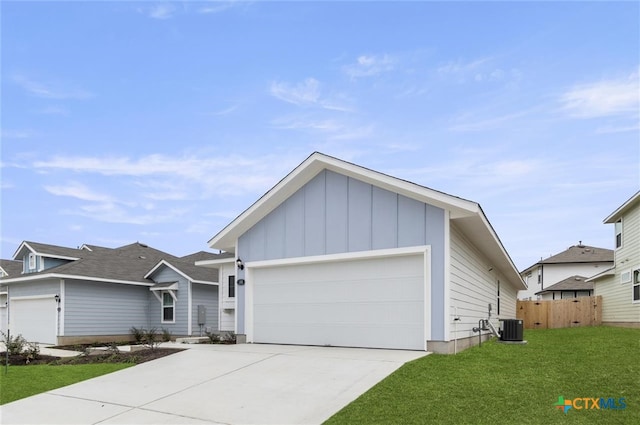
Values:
[(337, 254), (571, 287), (577, 260), (7, 268), (65, 295), (619, 286)]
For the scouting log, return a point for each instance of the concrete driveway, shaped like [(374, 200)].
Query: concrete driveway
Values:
[(218, 384)]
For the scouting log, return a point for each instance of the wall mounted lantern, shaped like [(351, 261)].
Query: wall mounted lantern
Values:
[(240, 264)]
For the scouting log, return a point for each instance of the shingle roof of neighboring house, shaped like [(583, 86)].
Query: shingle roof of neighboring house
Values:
[(11, 267), (581, 254), (204, 255), (128, 264), (578, 254), (573, 283)]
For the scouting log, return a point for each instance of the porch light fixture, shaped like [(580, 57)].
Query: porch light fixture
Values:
[(240, 264), (57, 298)]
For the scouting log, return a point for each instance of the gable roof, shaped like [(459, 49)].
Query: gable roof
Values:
[(46, 250), (468, 215), (187, 269), (126, 264), (573, 283), (577, 254), (623, 209)]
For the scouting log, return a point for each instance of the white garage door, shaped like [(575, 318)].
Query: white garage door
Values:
[(34, 319), (374, 302)]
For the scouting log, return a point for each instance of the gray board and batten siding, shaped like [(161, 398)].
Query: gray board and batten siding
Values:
[(333, 214), (206, 295)]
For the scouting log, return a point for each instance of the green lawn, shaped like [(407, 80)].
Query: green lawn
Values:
[(25, 381), (512, 384)]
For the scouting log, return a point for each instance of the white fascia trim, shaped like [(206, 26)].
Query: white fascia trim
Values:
[(427, 295), (24, 244), (34, 297), (216, 263), (73, 277), (393, 252), (165, 263), (206, 282), (313, 165), (608, 272), (614, 216)]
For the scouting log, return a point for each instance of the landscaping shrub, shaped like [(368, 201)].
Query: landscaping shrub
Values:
[(15, 344), (214, 338), (166, 335), (138, 334)]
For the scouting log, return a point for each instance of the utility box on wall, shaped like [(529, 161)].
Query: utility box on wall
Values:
[(202, 315)]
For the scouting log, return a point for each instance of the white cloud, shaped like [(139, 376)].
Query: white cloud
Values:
[(51, 90), (369, 65), (305, 93), (616, 97), (217, 6), (79, 191), (161, 11)]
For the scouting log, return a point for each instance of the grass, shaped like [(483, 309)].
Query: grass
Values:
[(511, 384), (25, 381)]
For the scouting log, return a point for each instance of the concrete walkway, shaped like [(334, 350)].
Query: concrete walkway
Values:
[(218, 384)]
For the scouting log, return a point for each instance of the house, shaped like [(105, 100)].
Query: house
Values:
[(577, 260), (65, 295), (7, 268), (571, 287), (337, 254), (619, 285)]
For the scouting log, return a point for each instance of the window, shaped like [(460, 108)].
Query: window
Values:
[(32, 261), (619, 233), (636, 285), (168, 308), (232, 286)]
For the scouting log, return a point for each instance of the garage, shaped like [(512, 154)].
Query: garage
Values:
[(34, 318), (377, 301)]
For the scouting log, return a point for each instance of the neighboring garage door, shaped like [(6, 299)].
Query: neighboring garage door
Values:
[(373, 302), (34, 319)]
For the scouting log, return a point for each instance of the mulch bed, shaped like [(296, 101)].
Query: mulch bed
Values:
[(136, 357)]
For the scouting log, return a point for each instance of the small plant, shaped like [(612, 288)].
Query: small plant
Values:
[(15, 344), (229, 338), (137, 333), (213, 337), (32, 351), (151, 338), (166, 335)]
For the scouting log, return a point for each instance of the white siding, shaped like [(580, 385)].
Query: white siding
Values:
[(473, 287), (617, 305), (554, 273)]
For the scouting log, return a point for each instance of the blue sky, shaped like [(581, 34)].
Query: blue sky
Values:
[(160, 122)]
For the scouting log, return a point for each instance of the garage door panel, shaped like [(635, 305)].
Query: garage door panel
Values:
[(363, 302), (405, 289), (34, 319), (381, 336), (341, 313)]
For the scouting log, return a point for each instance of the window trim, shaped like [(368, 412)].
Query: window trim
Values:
[(618, 233), (231, 286), (163, 306)]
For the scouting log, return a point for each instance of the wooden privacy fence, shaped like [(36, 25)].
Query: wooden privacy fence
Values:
[(550, 314)]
